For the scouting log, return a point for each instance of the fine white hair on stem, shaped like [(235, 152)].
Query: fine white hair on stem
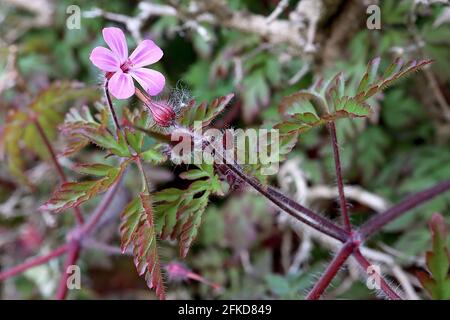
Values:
[(292, 173)]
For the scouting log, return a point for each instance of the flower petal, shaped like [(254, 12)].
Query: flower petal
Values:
[(121, 85), (115, 39), (147, 52), (104, 59), (152, 81)]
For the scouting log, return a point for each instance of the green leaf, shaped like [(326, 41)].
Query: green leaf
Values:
[(437, 283), (153, 156), (303, 102), (194, 174), (130, 219), (190, 227), (393, 73), (97, 169), (138, 229), (352, 108), (81, 126), (203, 112), (370, 74), (180, 212), (73, 194)]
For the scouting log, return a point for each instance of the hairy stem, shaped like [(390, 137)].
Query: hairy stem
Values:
[(331, 271), (380, 220), (286, 204), (58, 167), (384, 286), (291, 207), (111, 107), (33, 262), (72, 257), (340, 183)]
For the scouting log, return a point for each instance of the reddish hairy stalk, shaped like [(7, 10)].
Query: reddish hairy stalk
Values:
[(380, 220), (286, 204), (110, 106), (58, 167), (331, 271), (340, 183), (33, 262), (85, 229), (75, 244), (72, 257), (384, 286)]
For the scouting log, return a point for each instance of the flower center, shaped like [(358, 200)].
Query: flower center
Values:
[(126, 66)]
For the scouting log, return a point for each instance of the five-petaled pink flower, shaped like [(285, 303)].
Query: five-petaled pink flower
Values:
[(121, 69)]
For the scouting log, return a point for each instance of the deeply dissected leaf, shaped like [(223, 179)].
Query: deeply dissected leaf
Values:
[(326, 101), (350, 107), (140, 119), (437, 283), (72, 194), (203, 112), (180, 211), (190, 228), (370, 86), (80, 127), (138, 229)]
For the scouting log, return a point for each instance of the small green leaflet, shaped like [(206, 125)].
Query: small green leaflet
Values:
[(73, 194), (326, 101), (370, 85), (204, 112), (437, 281), (180, 211), (137, 228), (81, 127)]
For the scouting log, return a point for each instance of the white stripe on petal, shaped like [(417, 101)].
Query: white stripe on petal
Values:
[(115, 39), (121, 85), (147, 52), (104, 59), (152, 81)]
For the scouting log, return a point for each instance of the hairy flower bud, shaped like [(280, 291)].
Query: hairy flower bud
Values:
[(162, 112)]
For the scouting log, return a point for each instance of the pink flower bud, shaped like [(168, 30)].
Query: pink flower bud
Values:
[(161, 112)]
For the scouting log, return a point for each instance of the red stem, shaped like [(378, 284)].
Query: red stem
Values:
[(380, 220), (33, 262), (340, 183), (110, 106), (72, 257), (73, 247), (290, 206), (331, 271), (58, 167), (384, 286)]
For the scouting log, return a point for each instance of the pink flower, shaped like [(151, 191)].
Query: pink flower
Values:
[(162, 113), (121, 69)]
